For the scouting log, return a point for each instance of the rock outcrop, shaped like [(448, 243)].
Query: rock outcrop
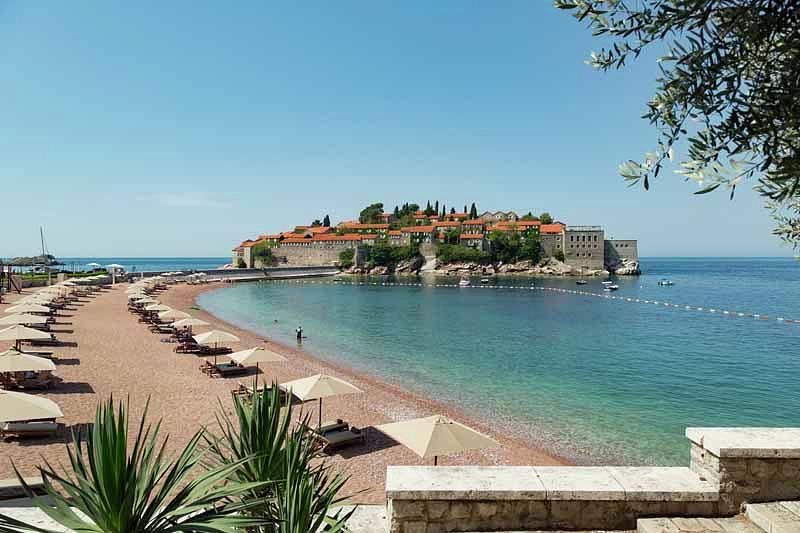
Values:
[(624, 267)]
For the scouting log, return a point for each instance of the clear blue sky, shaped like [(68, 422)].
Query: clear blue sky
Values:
[(180, 128)]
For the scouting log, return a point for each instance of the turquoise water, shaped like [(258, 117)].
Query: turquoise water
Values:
[(595, 380)]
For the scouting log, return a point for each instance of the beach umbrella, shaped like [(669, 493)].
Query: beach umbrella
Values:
[(256, 356), (215, 337), (11, 320), (157, 307), (20, 333), (436, 435), (318, 387), (18, 407), (16, 361), (28, 308), (173, 314), (114, 265), (93, 265), (190, 322), (146, 300)]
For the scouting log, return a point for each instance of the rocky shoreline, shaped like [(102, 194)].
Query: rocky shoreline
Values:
[(548, 267)]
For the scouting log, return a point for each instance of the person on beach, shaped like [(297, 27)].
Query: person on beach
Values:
[(299, 332)]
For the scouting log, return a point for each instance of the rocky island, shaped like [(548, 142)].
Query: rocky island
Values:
[(411, 240)]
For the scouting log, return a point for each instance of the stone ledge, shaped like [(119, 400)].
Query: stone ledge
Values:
[(754, 443), (553, 483), (12, 488)]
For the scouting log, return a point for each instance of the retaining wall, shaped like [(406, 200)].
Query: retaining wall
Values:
[(729, 467)]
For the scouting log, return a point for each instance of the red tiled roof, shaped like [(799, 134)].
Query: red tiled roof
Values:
[(395, 232), (447, 224), (476, 222), (320, 229), (269, 237), (552, 228), (472, 235), (357, 225), (327, 237), (237, 249), (457, 215), (420, 215), (369, 236), (247, 244), (418, 229), (289, 234)]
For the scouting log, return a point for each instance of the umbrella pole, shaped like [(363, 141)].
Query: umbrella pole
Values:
[(435, 460), (319, 425), (256, 377)]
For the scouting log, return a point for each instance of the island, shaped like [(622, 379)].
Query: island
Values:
[(411, 240)]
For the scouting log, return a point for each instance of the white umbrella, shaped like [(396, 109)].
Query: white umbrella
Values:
[(157, 307), (19, 407), (215, 336), (28, 308), (318, 387), (173, 314), (94, 265), (16, 361), (11, 320), (20, 333), (436, 435), (256, 356), (190, 322), (114, 265)]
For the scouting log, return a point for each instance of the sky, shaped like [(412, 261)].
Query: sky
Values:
[(180, 128)]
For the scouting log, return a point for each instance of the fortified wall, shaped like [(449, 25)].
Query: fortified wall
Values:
[(314, 255), (729, 467)]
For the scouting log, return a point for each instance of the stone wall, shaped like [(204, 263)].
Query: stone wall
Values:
[(316, 255), (583, 247), (729, 466), (551, 243), (747, 464)]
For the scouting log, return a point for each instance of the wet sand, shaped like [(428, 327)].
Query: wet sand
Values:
[(109, 352)]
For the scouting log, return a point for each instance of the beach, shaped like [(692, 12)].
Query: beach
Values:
[(108, 352)]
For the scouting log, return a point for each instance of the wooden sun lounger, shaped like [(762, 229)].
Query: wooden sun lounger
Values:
[(331, 427), (39, 428), (340, 439), (247, 390), (209, 350), (52, 341)]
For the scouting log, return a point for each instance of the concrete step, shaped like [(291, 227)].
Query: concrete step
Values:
[(736, 524), (775, 517)]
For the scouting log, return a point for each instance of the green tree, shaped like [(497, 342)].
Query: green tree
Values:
[(316, 223), (452, 236), (452, 210), (436, 208), (326, 221), (346, 258), (371, 214), (429, 210), (263, 253), (530, 249), (473, 211), (240, 263), (444, 210), (119, 488), (456, 253), (727, 88), (559, 255), (396, 212), (530, 216), (545, 218)]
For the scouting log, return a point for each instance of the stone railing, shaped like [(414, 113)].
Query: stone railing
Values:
[(728, 467)]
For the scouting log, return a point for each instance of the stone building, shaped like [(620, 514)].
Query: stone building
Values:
[(551, 237), (420, 234), (584, 247), (498, 216), (319, 250), (357, 227), (475, 240), (473, 226)]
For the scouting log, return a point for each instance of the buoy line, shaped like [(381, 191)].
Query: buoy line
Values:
[(603, 295)]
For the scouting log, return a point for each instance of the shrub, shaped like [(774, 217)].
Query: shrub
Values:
[(263, 253), (457, 253), (559, 255), (240, 263), (346, 258)]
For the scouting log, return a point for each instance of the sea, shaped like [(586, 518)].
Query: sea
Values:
[(565, 367), (143, 264)]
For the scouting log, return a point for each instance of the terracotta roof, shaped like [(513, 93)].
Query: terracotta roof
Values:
[(552, 228), (357, 225), (395, 232), (457, 215), (327, 237), (247, 244), (369, 236), (472, 235), (237, 249), (418, 229), (420, 215), (476, 222), (301, 227), (320, 229), (269, 237), (290, 234), (448, 224)]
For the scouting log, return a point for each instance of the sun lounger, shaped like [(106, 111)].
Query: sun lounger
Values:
[(230, 369), (29, 429), (210, 350), (187, 347), (340, 439), (52, 341), (331, 427), (247, 390)]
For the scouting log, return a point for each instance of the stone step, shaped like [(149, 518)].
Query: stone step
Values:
[(736, 524), (775, 517)]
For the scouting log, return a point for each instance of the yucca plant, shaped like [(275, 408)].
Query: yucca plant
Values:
[(114, 489), (297, 492)]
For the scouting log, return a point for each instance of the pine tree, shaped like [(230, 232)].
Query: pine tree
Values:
[(473, 212), (326, 221), (436, 207)]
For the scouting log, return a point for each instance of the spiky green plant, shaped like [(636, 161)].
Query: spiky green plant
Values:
[(298, 494), (114, 489)]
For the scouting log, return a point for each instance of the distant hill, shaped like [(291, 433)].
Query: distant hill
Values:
[(48, 260)]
